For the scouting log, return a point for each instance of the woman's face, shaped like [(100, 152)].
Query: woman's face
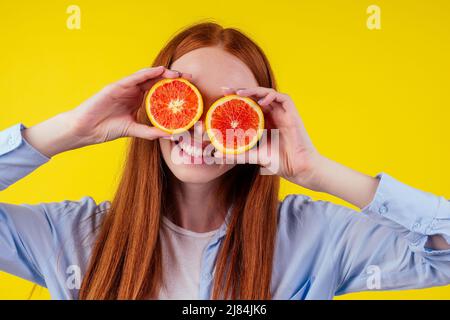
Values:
[(212, 68)]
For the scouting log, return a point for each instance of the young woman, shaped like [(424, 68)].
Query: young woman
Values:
[(213, 231)]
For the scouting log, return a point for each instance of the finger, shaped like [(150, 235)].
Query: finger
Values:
[(261, 152), (262, 92), (144, 131), (270, 103), (141, 76), (282, 98), (171, 74), (286, 102), (227, 90), (268, 99), (256, 91), (182, 74), (230, 90)]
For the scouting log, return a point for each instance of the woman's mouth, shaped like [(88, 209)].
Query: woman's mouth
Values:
[(194, 152), (191, 150)]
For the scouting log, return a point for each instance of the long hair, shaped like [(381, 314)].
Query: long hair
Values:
[(126, 257)]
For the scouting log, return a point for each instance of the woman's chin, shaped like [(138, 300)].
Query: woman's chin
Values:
[(198, 173)]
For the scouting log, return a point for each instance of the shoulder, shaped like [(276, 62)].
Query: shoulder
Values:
[(76, 210), (301, 207), (72, 228), (301, 221), (50, 236), (300, 216), (304, 244), (79, 218), (65, 211), (302, 211), (55, 222), (52, 213)]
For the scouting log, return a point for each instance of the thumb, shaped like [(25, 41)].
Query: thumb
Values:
[(144, 131)]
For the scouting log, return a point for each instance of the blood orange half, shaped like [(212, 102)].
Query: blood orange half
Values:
[(173, 105), (234, 124)]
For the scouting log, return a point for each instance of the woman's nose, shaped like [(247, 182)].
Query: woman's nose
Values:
[(199, 127), (207, 101)]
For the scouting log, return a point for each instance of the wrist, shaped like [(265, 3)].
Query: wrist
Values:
[(313, 175), (54, 135), (328, 176)]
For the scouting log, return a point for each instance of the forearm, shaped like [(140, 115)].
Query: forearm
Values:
[(336, 179), (54, 135), (352, 186)]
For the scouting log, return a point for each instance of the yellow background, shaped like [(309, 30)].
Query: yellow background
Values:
[(374, 100)]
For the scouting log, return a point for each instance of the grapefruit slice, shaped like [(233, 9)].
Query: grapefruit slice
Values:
[(234, 124), (173, 105)]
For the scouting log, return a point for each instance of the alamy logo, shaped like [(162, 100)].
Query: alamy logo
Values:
[(74, 18), (373, 281), (73, 281), (374, 18)]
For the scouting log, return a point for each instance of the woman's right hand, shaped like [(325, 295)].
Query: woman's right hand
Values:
[(108, 115)]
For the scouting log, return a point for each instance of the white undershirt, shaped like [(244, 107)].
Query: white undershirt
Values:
[(182, 250)]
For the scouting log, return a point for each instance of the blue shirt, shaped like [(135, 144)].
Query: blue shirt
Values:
[(322, 249)]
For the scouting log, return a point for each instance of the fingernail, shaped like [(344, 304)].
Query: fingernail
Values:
[(180, 74), (260, 101), (158, 68)]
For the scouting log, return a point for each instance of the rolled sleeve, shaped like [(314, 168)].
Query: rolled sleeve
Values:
[(17, 157), (417, 213)]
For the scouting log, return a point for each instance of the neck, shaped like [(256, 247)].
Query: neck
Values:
[(195, 205)]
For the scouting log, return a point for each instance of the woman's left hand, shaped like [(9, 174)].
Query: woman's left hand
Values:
[(296, 156)]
